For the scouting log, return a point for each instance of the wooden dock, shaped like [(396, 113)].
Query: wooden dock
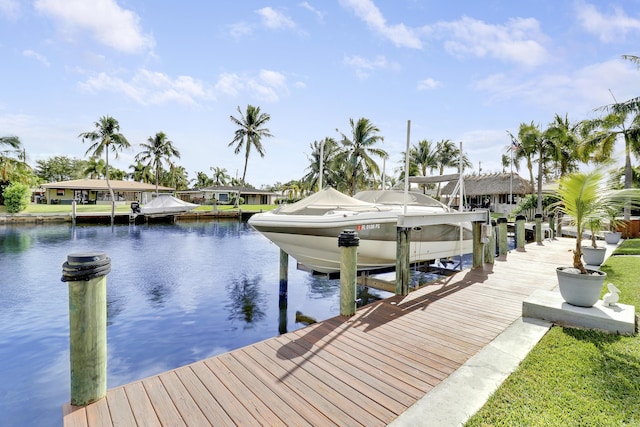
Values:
[(363, 370)]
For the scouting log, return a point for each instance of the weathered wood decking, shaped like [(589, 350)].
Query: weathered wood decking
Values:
[(362, 370)]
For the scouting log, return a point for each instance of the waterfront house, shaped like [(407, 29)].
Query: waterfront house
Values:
[(491, 191), (224, 194), (95, 191)]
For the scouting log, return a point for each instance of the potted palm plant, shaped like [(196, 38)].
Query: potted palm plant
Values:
[(612, 236), (594, 254), (585, 197)]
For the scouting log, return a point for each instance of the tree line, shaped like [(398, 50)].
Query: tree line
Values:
[(348, 163)]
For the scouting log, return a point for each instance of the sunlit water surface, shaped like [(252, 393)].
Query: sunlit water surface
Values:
[(176, 294)]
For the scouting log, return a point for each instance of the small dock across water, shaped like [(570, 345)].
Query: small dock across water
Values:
[(346, 371)]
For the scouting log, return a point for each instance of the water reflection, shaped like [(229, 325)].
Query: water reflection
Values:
[(246, 301), (12, 242)]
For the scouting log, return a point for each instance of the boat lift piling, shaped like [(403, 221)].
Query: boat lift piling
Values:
[(490, 246), (503, 246), (520, 233), (348, 242)]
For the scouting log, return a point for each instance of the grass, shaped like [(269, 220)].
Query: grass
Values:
[(57, 209), (576, 377), (628, 247)]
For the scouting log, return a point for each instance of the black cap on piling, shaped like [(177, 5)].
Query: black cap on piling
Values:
[(348, 238), (538, 215), (85, 266), (520, 218), (502, 220)]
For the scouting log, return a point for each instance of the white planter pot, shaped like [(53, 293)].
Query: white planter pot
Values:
[(593, 256), (612, 237), (578, 289)]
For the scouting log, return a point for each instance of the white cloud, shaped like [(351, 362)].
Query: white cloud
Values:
[(107, 22), (267, 85), (240, 29), (400, 35), (519, 40), (428, 84), (608, 28), (363, 66), (35, 55), (578, 92), (313, 10), (275, 20), (150, 87), (10, 8)]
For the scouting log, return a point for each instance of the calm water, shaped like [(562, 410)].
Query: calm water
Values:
[(176, 294)]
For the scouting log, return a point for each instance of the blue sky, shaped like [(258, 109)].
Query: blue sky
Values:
[(459, 70)]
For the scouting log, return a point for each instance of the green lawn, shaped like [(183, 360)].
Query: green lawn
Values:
[(576, 377), (43, 209)]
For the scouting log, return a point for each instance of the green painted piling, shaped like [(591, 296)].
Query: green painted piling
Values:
[(520, 233), (478, 245), (538, 219), (348, 241), (552, 225), (503, 247), (403, 240), (87, 281)]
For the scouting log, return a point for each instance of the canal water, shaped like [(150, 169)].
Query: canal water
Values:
[(176, 293)]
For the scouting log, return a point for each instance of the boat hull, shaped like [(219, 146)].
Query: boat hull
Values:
[(315, 243)]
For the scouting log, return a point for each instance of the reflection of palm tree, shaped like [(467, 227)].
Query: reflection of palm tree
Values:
[(246, 301)]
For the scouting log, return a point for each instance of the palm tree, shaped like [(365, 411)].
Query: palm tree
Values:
[(202, 180), (220, 176), (447, 155), (105, 137), (357, 151), (601, 135), (95, 168), (424, 157), (563, 145), (9, 163), (321, 152), (141, 173), (158, 150), (250, 132)]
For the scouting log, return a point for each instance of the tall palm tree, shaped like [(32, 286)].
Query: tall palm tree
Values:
[(357, 150), (220, 176), (249, 134), (321, 152), (105, 137), (563, 145), (448, 156), (424, 157), (157, 150), (601, 135)]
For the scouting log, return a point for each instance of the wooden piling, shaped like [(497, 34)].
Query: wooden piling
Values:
[(490, 247), (478, 245), (503, 247), (284, 278), (348, 241), (520, 233), (403, 240), (86, 275), (538, 218), (552, 225)]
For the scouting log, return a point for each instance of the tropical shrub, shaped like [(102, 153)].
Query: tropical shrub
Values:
[(16, 197)]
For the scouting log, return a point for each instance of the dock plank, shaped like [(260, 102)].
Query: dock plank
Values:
[(365, 369)]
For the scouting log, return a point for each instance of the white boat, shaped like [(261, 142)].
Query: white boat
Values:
[(308, 230), (165, 204)]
